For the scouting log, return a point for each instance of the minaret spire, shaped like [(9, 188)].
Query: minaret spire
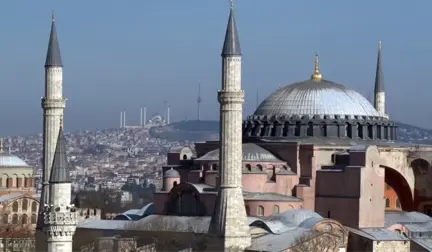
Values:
[(53, 57), (231, 45), (379, 101), (229, 224)]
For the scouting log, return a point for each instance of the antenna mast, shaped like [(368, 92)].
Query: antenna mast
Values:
[(199, 101)]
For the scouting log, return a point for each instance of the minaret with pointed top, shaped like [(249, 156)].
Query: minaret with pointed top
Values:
[(60, 218), (229, 223), (379, 101), (53, 104)]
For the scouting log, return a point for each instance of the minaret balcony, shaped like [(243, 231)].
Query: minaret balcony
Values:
[(60, 218)]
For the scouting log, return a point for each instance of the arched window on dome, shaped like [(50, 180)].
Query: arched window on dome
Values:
[(259, 167), (275, 209), (34, 206), (310, 129), (348, 130), (33, 219), (386, 135), (248, 167), (359, 131), (24, 205), (370, 131), (260, 211), (379, 135), (323, 129), (285, 129), (15, 206), (297, 129)]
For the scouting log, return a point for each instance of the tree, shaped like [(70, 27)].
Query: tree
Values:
[(317, 242)]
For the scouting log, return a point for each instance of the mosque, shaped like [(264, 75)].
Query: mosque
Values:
[(314, 163)]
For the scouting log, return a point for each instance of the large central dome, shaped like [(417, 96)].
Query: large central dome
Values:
[(316, 97)]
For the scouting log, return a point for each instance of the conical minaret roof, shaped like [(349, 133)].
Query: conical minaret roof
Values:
[(60, 170), (231, 45), (53, 58), (379, 77)]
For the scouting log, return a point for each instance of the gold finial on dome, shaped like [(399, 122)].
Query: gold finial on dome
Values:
[(1, 145), (316, 74)]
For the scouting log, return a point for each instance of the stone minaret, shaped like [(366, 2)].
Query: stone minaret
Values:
[(229, 223), (379, 102), (53, 104), (60, 218)]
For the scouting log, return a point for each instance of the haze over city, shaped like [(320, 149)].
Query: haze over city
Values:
[(126, 54)]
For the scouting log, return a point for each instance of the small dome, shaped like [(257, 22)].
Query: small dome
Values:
[(295, 216), (7, 161), (316, 97), (171, 173), (251, 152)]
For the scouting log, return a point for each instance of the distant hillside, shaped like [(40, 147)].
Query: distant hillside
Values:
[(195, 130)]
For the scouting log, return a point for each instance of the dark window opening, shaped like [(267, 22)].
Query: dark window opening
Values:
[(184, 157), (310, 129), (348, 130), (297, 129), (359, 131), (370, 131), (328, 214), (379, 131)]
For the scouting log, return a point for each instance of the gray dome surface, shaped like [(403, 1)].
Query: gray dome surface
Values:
[(251, 152), (171, 173), (7, 160), (316, 97)]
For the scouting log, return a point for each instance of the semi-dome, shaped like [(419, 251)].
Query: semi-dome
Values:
[(7, 160), (251, 153), (316, 96), (171, 173)]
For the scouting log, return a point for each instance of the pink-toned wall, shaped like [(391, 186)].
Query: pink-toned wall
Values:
[(253, 206)]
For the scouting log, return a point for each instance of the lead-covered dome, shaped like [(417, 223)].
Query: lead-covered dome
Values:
[(316, 97), (7, 160)]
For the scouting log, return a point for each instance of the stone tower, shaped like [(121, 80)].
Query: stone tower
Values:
[(229, 223), (379, 101), (59, 216), (53, 104)]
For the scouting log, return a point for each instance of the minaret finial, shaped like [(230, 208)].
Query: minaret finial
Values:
[(231, 4), (316, 74), (379, 45), (53, 16)]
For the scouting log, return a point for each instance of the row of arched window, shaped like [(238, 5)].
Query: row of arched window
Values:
[(388, 203), (260, 210), (24, 206), (24, 220)]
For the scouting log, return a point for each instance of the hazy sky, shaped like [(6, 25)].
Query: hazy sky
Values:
[(125, 54)]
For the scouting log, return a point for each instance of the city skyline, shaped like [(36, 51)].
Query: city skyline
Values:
[(105, 56)]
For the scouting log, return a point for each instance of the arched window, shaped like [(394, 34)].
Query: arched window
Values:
[(34, 206), (15, 207), (387, 202), (297, 129), (370, 131), (260, 211), (247, 210), (348, 130), (184, 157), (24, 219), (15, 219), (94, 212), (248, 167), (275, 209), (398, 204), (214, 167), (33, 219), (386, 135), (379, 132), (359, 131), (5, 219), (259, 167), (174, 183), (24, 205), (324, 129), (310, 129), (88, 212)]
